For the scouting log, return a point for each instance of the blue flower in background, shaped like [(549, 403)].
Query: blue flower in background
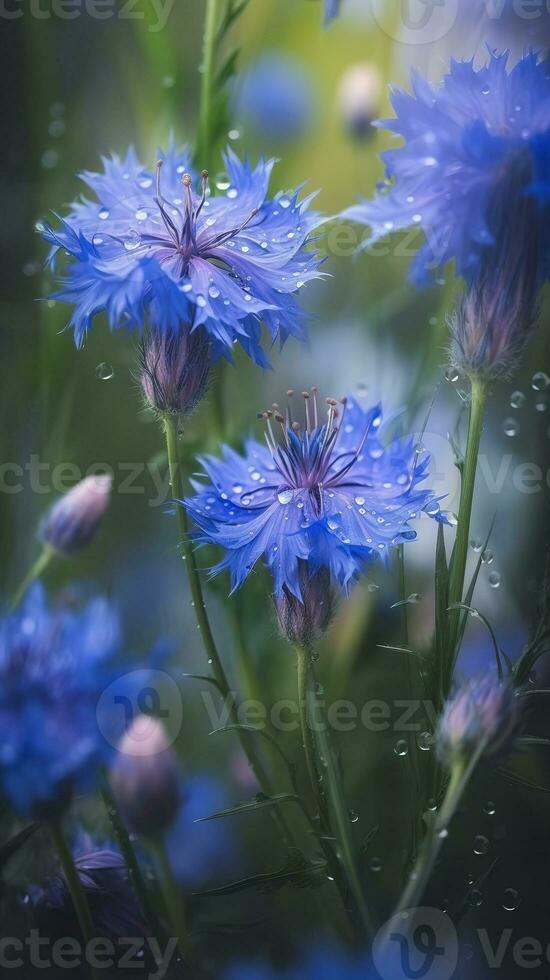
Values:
[(54, 664), (275, 97), (474, 148), (198, 851), (332, 495), (332, 9), (159, 246), (327, 964)]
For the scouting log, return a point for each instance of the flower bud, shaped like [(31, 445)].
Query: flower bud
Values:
[(360, 93), (304, 621), (481, 715), (73, 520), (174, 369), (145, 777), (498, 311)]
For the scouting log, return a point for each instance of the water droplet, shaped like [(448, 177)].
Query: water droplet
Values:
[(375, 865), (104, 214), (284, 202), (541, 404), (443, 833), (425, 741), (104, 371), (50, 159), (510, 900), (200, 301), (489, 808), (432, 805), (285, 495), (401, 748), (481, 844), (222, 182), (56, 128), (354, 816), (475, 898), (494, 580), (517, 399), (213, 292), (487, 557), (132, 240), (540, 381), (359, 501), (451, 375), (234, 134), (168, 81), (232, 193), (510, 427), (486, 90), (476, 545), (145, 182), (141, 215)]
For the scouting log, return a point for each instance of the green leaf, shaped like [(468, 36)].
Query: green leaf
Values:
[(11, 847), (259, 803), (298, 871), (205, 678)]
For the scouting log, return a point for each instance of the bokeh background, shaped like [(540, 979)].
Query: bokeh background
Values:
[(74, 89)]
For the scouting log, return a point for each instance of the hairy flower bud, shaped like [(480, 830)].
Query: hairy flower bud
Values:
[(145, 777), (73, 520), (304, 622), (360, 93), (174, 369), (498, 311), (481, 716)]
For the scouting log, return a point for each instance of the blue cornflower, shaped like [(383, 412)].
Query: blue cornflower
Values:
[(276, 98), (325, 964), (159, 246), (475, 149), (332, 9), (54, 665), (330, 496)]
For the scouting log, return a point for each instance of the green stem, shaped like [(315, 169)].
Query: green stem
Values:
[(204, 136), (171, 432), (312, 723), (173, 898), (74, 884), (461, 774), (128, 853), (413, 756), (305, 692), (35, 572), (460, 553), (214, 660)]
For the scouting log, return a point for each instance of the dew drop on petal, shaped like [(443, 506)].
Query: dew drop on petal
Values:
[(104, 214), (285, 495), (132, 241), (222, 182)]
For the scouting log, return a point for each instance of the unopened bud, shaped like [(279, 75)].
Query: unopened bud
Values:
[(174, 369), (73, 520), (360, 93), (145, 777), (304, 621), (481, 716)]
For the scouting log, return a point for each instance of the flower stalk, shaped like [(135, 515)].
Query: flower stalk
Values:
[(204, 136), (172, 896), (334, 813), (36, 570), (469, 470), (74, 884)]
